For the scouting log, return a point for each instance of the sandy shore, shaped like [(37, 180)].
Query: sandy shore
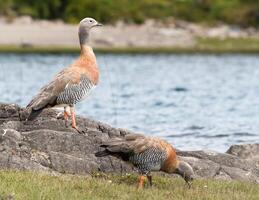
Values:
[(27, 32)]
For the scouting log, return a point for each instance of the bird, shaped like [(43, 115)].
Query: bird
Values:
[(147, 154), (72, 84)]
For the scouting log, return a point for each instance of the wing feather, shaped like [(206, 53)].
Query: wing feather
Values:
[(135, 143), (49, 93)]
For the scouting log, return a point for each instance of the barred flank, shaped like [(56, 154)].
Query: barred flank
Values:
[(147, 160), (76, 92)]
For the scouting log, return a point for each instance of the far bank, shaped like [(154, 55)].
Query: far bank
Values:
[(202, 46)]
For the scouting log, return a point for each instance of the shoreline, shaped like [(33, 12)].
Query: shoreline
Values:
[(41, 36), (53, 149), (66, 50), (203, 46)]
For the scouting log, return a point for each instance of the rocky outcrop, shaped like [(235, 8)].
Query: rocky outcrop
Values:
[(47, 145), (210, 164), (248, 152)]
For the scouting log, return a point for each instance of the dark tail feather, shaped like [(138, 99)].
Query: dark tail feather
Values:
[(102, 153), (34, 114)]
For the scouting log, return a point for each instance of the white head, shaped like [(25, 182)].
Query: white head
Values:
[(85, 26)]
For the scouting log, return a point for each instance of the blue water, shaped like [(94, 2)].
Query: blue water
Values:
[(193, 101)]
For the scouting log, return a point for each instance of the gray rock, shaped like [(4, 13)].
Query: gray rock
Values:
[(45, 144), (245, 151), (220, 165)]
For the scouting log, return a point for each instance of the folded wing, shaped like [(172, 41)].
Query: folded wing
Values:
[(48, 94), (133, 143)]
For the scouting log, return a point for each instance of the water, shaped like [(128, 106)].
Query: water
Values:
[(193, 101)]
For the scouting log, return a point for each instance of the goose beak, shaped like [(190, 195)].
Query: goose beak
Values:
[(99, 24), (189, 181), (189, 184)]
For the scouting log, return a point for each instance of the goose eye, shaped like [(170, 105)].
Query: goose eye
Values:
[(90, 21)]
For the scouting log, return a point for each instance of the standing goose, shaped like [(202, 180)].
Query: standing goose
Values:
[(72, 84), (147, 154)]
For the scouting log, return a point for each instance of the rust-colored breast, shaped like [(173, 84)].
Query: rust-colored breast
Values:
[(87, 65), (171, 162)]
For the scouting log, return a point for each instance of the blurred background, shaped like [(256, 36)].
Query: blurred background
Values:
[(240, 12), (184, 70)]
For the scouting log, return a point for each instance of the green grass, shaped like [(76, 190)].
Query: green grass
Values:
[(203, 45), (115, 50), (50, 49), (229, 45), (34, 186)]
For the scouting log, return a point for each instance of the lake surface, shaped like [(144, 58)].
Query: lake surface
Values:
[(193, 101)]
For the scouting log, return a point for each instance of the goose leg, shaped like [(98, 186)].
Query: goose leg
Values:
[(66, 115), (73, 118), (141, 181), (149, 177)]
